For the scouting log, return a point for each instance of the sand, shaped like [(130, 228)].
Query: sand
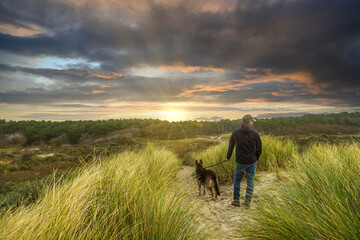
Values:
[(220, 219)]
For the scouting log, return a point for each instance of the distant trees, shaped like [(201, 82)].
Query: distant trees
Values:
[(43, 131), (281, 126)]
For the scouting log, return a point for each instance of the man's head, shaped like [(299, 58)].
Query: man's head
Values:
[(248, 119)]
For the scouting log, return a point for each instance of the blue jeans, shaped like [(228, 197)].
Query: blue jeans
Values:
[(238, 175)]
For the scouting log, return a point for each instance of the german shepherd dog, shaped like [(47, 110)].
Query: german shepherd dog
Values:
[(207, 178)]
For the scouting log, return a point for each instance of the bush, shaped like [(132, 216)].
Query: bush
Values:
[(321, 200), (13, 194), (60, 140), (15, 139), (13, 169), (26, 166), (86, 139), (26, 155)]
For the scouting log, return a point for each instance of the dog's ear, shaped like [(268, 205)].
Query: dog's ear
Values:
[(196, 162), (201, 162)]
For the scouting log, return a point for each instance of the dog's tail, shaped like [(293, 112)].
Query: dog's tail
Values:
[(216, 184)]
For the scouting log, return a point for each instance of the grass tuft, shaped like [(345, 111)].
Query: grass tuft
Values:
[(131, 195), (321, 199)]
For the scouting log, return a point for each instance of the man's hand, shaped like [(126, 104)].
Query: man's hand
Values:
[(228, 160)]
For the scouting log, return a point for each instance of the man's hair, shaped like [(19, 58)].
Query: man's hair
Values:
[(247, 118)]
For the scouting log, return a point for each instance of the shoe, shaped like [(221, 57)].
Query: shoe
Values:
[(235, 203), (246, 205)]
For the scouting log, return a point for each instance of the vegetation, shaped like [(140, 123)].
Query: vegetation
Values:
[(276, 154), (132, 194), (339, 123), (320, 200), (128, 196), (13, 194), (40, 161), (37, 132), (72, 132), (185, 148)]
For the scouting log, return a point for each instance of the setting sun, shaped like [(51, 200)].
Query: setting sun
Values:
[(173, 115)]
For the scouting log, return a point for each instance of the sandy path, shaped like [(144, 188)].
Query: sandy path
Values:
[(220, 217)]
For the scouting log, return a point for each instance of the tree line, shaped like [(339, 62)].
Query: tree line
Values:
[(43, 131)]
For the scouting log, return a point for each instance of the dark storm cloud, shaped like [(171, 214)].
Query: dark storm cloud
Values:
[(127, 89), (82, 74), (320, 37)]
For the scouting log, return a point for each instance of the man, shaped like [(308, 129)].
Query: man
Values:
[(248, 150)]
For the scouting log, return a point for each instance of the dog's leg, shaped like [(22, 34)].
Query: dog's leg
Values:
[(204, 188), (211, 192), (199, 184)]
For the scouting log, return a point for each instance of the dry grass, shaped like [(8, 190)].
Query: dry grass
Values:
[(127, 196), (321, 200)]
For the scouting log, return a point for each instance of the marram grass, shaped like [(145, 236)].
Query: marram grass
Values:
[(276, 154), (321, 200), (128, 196)]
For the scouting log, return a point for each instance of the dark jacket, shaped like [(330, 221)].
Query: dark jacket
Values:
[(248, 144)]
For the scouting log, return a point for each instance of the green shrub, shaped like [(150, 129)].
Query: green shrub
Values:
[(321, 200), (12, 194), (26, 155), (12, 168), (25, 166), (15, 139), (59, 140)]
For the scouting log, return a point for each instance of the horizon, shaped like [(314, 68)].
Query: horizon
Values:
[(177, 60), (263, 116)]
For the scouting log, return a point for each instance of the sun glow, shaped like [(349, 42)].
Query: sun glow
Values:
[(173, 115)]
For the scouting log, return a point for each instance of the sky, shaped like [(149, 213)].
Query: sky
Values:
[(178, 59)]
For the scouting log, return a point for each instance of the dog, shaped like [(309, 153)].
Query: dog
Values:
[(207, 178)]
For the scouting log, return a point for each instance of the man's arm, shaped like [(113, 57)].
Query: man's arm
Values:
[(231, 146), (258, 146)]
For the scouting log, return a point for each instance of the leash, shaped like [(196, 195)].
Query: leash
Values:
[(216, 164)]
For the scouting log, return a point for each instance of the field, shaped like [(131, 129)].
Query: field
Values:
[(123, 186)]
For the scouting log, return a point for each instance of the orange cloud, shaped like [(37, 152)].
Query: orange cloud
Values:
[(224, 87), (101, 91), (306, 83), (110, 75), (306, 78), (186, 69), (285, 93), (21, 31), (97, 91), (217, 6), (144, 6), (355, 90)]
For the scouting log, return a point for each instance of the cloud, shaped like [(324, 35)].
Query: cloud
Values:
[(214, 118), (225, 52), (277, 115)]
